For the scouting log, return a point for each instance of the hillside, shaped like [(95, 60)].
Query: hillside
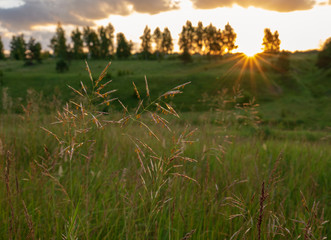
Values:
[(297, 98)]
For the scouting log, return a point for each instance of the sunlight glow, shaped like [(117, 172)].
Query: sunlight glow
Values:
[(250, 52), (46, 27), (249, 24), (249, 69)]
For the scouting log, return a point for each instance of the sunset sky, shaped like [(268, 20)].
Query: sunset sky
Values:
[(302, 24)]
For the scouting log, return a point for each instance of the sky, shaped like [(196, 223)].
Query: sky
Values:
[(302, 24)]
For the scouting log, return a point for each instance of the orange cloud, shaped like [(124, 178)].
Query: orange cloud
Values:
[(274, 5)]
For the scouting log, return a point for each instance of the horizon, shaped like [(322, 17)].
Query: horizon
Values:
[(295, 21)]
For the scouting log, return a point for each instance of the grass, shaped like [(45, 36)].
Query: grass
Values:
[(110, 204), (144, 173), (284, 98)]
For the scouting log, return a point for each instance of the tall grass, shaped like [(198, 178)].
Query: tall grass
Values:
[(87, 173)]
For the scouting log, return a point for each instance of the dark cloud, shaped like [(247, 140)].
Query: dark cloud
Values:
[(275, 5), (76, 12)]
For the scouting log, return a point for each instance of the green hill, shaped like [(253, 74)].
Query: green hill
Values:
[(298, 97)]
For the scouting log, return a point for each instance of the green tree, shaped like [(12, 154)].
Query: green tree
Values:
[(166, 44), (229, 38), (213, 41), (58, 43), (157, 38), (146, 43), (198, 38), (324, 56), (33, 53), (187, 36), (92, 42), (124, 47), (18, 47), (106, 40), (2, 54), (184, 45), (271, 41), (76, 38)]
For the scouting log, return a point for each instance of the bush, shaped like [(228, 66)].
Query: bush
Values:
[(283, 62), (324, 56), (186, 57), (62, 66), (1, 77)]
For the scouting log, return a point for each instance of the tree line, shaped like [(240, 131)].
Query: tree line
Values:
[(99, 43)]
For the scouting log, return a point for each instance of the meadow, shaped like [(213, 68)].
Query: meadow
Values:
[(213, 149)]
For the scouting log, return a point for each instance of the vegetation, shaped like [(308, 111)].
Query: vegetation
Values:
[(146, 172), (59, 43), (2, 54), (106, 41), (167, 45), (77, 40), (124, 47), (222, 149), (18, 47), (324, 56), (284, 99), (146, 43), (229, 38), (33, 54), (271, 41), (92, 42), (61, 66)]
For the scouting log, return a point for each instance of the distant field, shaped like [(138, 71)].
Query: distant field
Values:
[(299, 98)]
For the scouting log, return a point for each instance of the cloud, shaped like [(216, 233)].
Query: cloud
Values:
[(274, 5), (76, 12)]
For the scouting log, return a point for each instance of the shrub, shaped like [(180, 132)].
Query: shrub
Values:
[(324, 56), (283, 62), (62, 66), (1, 78)]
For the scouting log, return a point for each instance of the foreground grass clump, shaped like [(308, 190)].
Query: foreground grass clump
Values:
[(137, 174)]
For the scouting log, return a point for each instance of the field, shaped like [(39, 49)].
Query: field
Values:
[(240, 152)]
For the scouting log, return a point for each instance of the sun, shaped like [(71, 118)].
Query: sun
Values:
[(250, 52)]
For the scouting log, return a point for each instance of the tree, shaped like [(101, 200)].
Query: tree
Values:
[(198, 38), (2, 54), (58, 43), (33, 52), (324, 56), (124, 47), (18, 47), (185, 42), (187, 36), (229, 38), (271, 41), (106, 40), (146, 40), (92, 42), (110, 34), (157, 38), (213, 41), (184, 45), (76, 38), (166, 44)]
